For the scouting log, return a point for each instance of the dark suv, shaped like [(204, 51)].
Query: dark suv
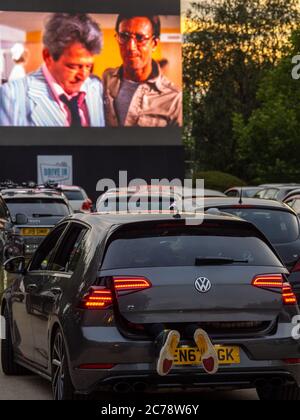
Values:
[(5, 224), (34, 213), (10, 246), (79, 313)]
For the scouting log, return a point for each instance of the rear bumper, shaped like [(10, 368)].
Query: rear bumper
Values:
[(134, 361), (146, 381), (127, 378)]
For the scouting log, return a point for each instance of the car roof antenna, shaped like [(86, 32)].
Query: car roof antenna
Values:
[(241, 196)]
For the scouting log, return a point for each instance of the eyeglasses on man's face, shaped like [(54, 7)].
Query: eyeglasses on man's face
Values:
[(140, 39)]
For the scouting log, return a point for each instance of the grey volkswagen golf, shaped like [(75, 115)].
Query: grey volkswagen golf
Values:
[(79, 313)]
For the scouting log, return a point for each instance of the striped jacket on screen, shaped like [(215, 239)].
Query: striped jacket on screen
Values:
[(29, 102)]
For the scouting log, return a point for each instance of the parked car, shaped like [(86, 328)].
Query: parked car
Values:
[(282, 184), (77, 314), (78, 198), (248, 192), (292, 193), (205, 193), (133, 199), (293, 200), (191, 197), (34, 213), (276, 220), (277, 193), (10, 243), (294, 203)]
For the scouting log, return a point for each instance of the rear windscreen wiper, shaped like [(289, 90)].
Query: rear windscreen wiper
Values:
[(46, 215), (217, 261)]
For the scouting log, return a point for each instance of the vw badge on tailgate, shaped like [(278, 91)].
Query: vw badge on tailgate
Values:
[(203, 285)]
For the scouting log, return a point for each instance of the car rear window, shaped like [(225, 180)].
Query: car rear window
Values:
[(180, 247), (131, 204), (74, 195), (278, 226), (37, 207), (250, 192)]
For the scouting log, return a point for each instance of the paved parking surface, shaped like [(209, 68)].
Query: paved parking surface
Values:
[(32, 387)]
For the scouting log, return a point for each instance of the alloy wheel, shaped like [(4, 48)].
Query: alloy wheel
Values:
[(58, 367)]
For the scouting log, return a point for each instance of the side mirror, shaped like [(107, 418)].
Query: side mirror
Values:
[(15, 265), (21, 219)]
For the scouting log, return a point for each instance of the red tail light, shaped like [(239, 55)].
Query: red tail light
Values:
[(100, 297), (97, 298), (131, 284), (276, 281), (288, 295), (272, 281), (87, 205), (291, 361)]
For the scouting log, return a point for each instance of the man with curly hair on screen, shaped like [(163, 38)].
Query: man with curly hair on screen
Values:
[(63, 92)]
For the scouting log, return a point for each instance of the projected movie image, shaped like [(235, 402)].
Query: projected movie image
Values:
[(90, 70)]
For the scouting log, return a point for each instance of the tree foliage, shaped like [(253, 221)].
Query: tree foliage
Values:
[(229, 45), (217, 180), (268, 144)]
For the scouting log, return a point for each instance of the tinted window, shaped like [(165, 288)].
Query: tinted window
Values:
[(74, 195), (143, 204), (271, 193), (278, 226), (295, 205), (44, 253), (3, 210), (69, 250), (249, 192), (260, 194), (175, 247), (37, 207), (232, 193)]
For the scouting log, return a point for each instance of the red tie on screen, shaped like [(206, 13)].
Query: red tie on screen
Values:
[(73, 106)]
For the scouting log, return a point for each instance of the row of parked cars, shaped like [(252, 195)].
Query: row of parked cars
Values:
[(79, 311), (28, 212), (277, 220), (286, 193)]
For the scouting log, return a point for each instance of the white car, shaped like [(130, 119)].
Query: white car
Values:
[(78, 198), (139, 199)]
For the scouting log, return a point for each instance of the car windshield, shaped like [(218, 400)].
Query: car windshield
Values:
[(74, 195), (37, 207), (112, 204), (176, 247), (278, 226)]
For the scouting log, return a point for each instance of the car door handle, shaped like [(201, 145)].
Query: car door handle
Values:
[(31, 288)]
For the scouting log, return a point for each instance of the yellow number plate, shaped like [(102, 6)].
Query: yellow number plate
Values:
[(227, 355), (35, 231)]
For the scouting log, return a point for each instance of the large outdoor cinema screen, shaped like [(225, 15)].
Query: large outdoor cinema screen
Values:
[(74, 74)]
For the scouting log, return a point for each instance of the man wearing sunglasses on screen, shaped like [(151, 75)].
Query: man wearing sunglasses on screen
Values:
[(137, 93), (63, 92)]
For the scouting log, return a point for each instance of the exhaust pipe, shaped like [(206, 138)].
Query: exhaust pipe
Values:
[(122, 387), (269, 383), (260, 383), (277, 382), (139, 386)]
